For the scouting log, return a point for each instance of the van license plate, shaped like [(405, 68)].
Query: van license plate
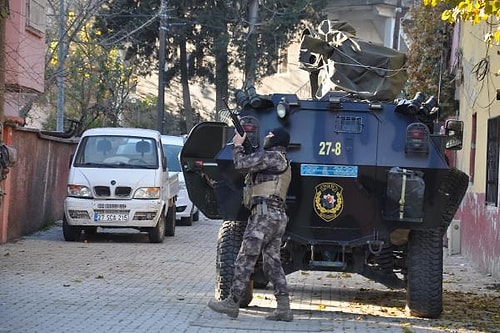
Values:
[(110, 217)]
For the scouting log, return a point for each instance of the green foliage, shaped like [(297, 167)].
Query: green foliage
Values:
[(211, 27), (105, 54), (97, 81), (279, 21), (428, 56), (473, 11)]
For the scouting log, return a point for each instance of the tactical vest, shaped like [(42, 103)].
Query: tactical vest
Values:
[(277, 187)]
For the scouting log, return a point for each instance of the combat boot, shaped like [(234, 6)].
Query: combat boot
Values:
[(229, 306), (282, 312)]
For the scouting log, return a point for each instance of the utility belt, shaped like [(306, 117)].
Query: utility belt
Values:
[(260, 205)]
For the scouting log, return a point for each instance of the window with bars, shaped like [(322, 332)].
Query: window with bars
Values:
[(492, 161)]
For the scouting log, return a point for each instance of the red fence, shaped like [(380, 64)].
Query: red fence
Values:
[(35, 187)]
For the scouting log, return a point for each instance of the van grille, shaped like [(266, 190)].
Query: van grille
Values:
[(105, 191), (102, 191), (122, 191)]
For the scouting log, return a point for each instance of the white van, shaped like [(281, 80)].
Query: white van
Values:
[(187, 212), (119, 179)]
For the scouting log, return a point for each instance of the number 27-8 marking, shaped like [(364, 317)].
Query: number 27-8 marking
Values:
[(328, 147)]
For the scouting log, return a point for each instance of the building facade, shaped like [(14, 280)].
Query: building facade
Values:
[(375, 21), (477, 66), (24, 53)]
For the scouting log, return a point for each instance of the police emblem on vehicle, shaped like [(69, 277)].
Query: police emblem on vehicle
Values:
[(328, 201)]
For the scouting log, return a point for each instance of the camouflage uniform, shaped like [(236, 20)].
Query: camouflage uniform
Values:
[(265, 228), (268, 176)]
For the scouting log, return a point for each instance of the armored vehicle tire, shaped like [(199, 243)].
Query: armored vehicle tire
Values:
[(157, 234), (170, 222), (424, 294), (70, 233), (453, 188), (228, 245)]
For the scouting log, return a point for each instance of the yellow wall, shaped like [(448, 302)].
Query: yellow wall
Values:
[(477, 94)]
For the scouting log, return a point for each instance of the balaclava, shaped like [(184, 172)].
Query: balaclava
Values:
[(281, 138)]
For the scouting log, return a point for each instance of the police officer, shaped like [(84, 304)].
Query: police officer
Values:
[(267, 179)]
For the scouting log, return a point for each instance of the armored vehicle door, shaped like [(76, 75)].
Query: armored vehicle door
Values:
[(213, 185)]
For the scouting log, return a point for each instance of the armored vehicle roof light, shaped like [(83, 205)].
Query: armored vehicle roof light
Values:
[(255, 100), (241, 98), (430, 106), (410, 107)]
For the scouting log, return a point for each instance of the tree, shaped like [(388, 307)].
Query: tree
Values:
[(81, 12), (428, 55), (97, 82), (473, 11), (216, 31)]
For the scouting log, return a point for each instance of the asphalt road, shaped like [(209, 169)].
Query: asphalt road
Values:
[(116, 281)]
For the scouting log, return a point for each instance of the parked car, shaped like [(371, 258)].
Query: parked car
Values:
[(187, 212)]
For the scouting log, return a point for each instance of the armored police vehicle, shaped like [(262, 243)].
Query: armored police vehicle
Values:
[(372, 191)]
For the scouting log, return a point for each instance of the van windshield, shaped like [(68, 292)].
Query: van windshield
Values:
[(117, 152)]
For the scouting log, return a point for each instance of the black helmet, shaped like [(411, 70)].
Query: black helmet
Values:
[(281, 138)]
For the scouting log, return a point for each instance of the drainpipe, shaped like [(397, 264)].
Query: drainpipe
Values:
[(4, 14)]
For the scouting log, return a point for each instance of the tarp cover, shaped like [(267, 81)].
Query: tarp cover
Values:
[(337, 60)]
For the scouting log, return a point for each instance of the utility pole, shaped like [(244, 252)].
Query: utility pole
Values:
[(251, 47), (60, 70), (161, 69)]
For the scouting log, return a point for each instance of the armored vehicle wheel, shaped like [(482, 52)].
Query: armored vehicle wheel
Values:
[(453, 188), (157, 234), (228, 245), (424, 295), (170, 222), (70, 233)]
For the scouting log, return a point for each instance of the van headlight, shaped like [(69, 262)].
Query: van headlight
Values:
[(147, 193), (79, 191)]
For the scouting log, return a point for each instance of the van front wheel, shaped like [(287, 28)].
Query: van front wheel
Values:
[(70, 233), (157, 234)]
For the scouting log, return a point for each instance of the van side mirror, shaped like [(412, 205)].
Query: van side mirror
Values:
[(454, 132)]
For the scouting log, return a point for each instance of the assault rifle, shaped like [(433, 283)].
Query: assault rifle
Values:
[(249, 148)]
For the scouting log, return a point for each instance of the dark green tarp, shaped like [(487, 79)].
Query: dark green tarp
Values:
[(337, 60)]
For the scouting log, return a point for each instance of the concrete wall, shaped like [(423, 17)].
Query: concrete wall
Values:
[(36, 185)]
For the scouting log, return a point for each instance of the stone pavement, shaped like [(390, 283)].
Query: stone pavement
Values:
[(116, 281)]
